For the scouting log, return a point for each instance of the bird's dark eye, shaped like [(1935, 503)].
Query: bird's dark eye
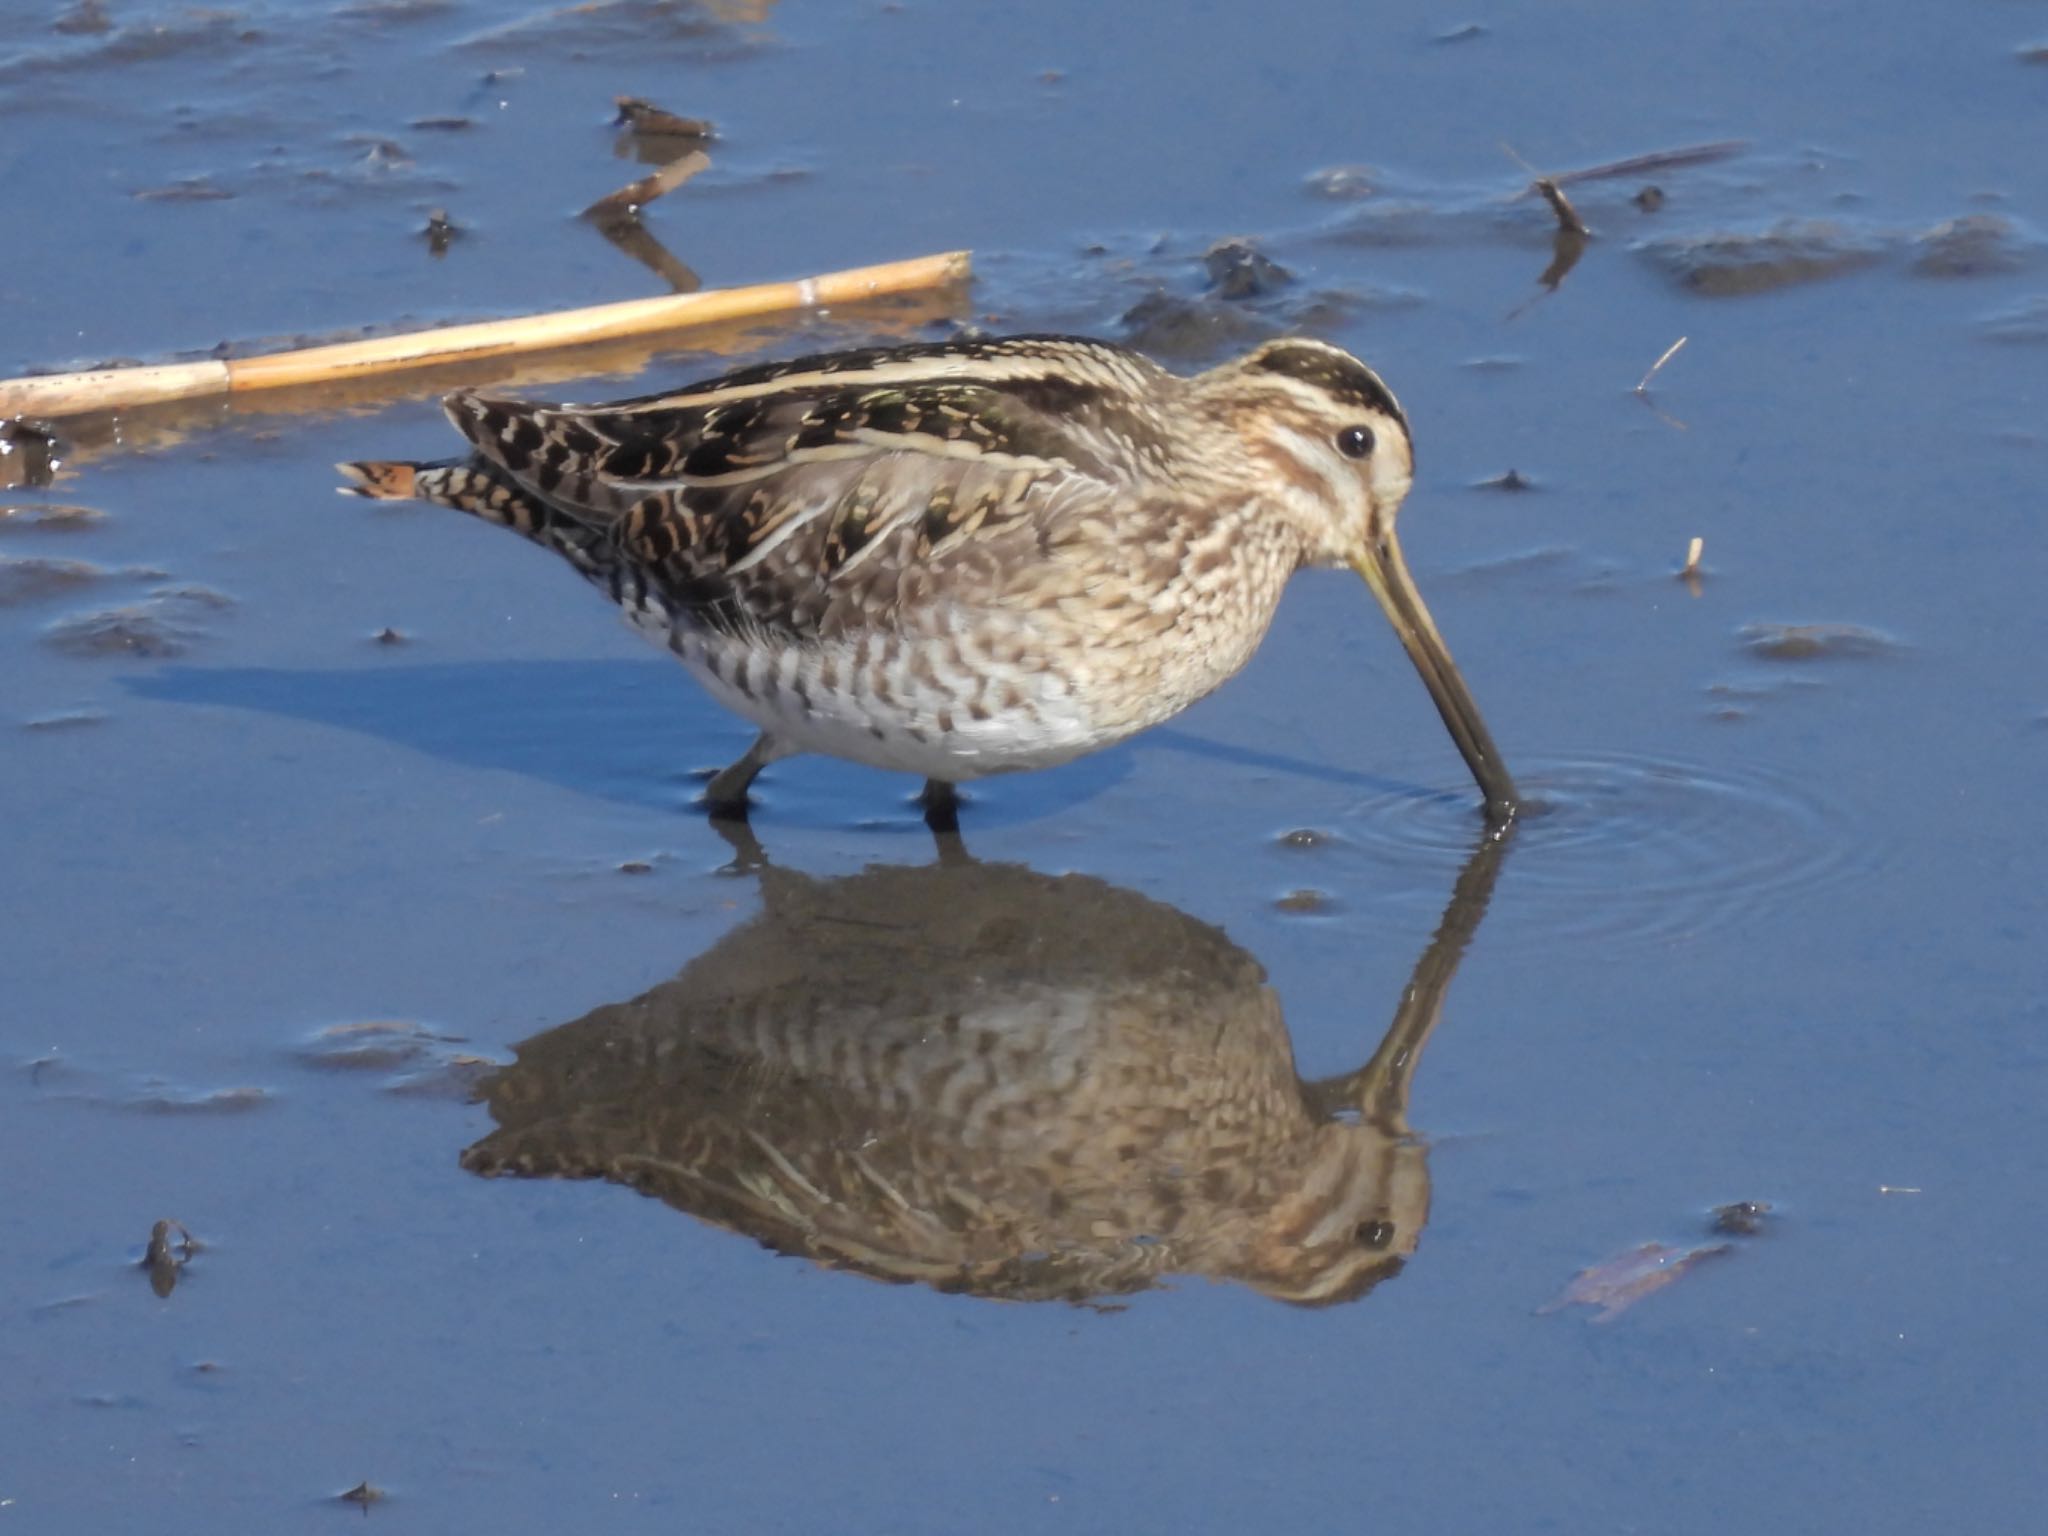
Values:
[(1374, 1234), (1355, 442)]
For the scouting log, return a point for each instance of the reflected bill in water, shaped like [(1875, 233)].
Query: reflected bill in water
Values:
[(998, 1083)]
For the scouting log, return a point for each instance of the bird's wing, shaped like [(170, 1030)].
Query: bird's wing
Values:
[(829, 493)]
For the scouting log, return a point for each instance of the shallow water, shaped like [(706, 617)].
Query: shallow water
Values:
[(283, 890)]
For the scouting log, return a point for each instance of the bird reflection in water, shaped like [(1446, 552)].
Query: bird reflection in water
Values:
[(998, 1083)]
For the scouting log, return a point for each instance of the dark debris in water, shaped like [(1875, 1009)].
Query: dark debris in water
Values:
[(114, 40), (1733, 701), (1344, 183), (1168, 325), (1239, 270), (1304, 903), (53, 1077), (395, 10), (191, 189), (170, 1249), (1724, 263), (160, 1098), (1305, 839), (88, 18), (1511, 480), (1741, 1218), (676, 31), (1816, 642), (1249, 297), (656, 136), (163, 625), (46, 515), (363, 1495), (1733, 262), (31, 578), (440, 231), (1976, 245), (413, 1061), (375, 152), (135, 630)]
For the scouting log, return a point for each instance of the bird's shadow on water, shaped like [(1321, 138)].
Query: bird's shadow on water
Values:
[(623, 731)]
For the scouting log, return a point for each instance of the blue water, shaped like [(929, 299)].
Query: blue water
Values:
[(1779, 940)]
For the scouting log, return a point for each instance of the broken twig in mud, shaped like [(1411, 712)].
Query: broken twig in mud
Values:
[(108, 389)]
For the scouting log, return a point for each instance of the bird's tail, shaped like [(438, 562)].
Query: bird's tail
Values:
[(473, 486), (382, 480), (464, 484)]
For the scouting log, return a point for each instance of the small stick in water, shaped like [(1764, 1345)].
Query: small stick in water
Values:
[(1643, 386), (626, 203), (1690, 575), (1658, 160), (1568, 218)]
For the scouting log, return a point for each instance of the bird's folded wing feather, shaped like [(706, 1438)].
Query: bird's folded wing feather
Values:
[(813, 506)]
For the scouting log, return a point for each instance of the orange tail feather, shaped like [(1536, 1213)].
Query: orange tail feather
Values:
[(380, 480)]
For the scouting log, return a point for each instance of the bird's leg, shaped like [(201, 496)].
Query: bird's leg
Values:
[(941, 804), (725, 797), (952, 851)]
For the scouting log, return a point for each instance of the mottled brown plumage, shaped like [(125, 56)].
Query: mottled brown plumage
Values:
[(963, 558), (995, 1082)]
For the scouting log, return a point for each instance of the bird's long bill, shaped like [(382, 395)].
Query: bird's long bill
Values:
[(1386, 572)]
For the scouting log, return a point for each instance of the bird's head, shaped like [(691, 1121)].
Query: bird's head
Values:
[(1331, 444)]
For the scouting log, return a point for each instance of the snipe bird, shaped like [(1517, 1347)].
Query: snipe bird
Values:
[(964, 558)]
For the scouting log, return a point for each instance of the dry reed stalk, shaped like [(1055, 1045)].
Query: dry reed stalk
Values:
[(109, 389)]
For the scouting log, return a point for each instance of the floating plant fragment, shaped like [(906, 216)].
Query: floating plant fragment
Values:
[(1616, 1284)]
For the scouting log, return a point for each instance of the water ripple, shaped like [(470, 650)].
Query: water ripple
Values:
[(1625, 847)]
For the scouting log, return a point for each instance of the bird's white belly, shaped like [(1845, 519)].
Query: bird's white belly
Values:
[(938, 725)]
